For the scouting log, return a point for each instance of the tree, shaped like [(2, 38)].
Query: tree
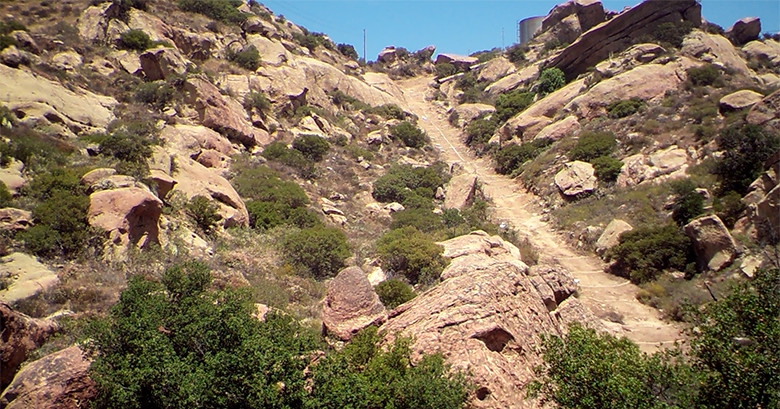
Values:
[(745, 149), (409, 134), (688, 203), (320, 251), (550, 80), (411, 253)]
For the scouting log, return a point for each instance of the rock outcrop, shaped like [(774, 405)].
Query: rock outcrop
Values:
[(767, 50), (569, 20), (744, 30), (161, 62), (20, 334), (714, 49), (351, 305), (739, 100), (459, 191), (57, 381), (767, 111), (616, 34), (494, 69), (15, 219), (130, 216), (486, 317), (576, 178), (461, 62), (712, 242), (611, 235), (27, 277), (668, 163), (565, 127)]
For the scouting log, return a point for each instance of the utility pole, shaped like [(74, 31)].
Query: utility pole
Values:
[(364, 46), (502, 38)]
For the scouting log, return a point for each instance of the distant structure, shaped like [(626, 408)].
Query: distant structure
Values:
[(527, 28)]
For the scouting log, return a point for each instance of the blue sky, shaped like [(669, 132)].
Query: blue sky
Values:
[(463, 26)]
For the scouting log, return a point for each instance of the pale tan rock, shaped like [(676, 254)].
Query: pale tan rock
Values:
[(627, 60), (558, 130), (25, 41), (767, 215), (668, 163), (715, 248), (93, 22), (576, 178), (459, 191), (161, 62), (739, 100), (129, 215), (715, 49), (765, 111), (67, 60), (469, 112), (461, 61), (12, 177), (94, 175), (351, 305), (28, 277), (21, 335), (112, 182), (194, 179), (611, 235), (512, 81), (768, 50), (494, 69), (15, 219), (256, 25), (58, 381), (744, 30), (213, 159), (271, 52), (527, 124), (13, 57), (387, 55), (150, 24), (128, 61), (196, 46)]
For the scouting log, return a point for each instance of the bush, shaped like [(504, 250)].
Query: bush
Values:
[(592, 145), (516, 53), (672, 33), (320, 251), (444, 70), (512, 156), (512, 103), (607, 168), (5, 196), (688, 204), (127, 147), (256, 100), (421, 218), (745, 149), (402, 181), (729, 208), (411, 253), (409, 134), (6, 41), (248, 58), (388, 111), (622, 109), (479, 131), (158, 93), (550, 80), (293, 158), (135, 40), (61, 228), (394, 292), (347, 102), (312, 147), (204, 212), (645, 252), (348, 51), (707, 74), (223, 10), (9, 26)]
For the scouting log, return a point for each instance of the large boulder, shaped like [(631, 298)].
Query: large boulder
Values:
[(565, 127), (617, 34), (576, 178), (351, 305), (27, 277), (514, 80), (459, 61), (767, 215), (611, 235), (588, 13), (669, 163), (469, 112), (712, 242), (487, 318), (161, 62), (744, 30), (739, 100), (767, 50), (460, 191), (21, 334), (12, 219), (13, 177), (766, 111), (130, 216), (56, 381), (494, 69), (715, 49), (271, 52)]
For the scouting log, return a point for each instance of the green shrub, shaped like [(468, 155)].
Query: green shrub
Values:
[(50, 183), (204, 212), (688, 204), (729, 208), (487, 55), (421, 218), (512, 156), (394, 292), (135, 40), (516, 53), (592, 145), (257, 101), (409, 134), (348, 51), (6, 41), (126, 147), (248, 58), (265, 215), (444, 70), (223, 10), (61, 228), (158, 93), (745, 149), (388, 111), (672, 33), (512, 103), (550, 80), (312, 147), (401, 181), (411, 253), (707, 74), (607, 168), (479, 131), (319, 251), (293, 158), (9, 26), (5, 196), (311, 40), (645, 252), (622, 109)]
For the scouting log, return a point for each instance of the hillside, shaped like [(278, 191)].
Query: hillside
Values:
[(206, 205)]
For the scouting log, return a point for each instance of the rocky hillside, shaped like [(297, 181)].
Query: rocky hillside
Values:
[(210, 150)]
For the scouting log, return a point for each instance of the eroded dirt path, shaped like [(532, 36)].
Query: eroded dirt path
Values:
[(603, 293)]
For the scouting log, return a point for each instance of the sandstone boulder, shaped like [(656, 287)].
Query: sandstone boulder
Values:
[(668, 163), (739, 100), (565, 127), (469, 112), (130, 216), (58, 381), (12, 176), (15, 219), (712, 242), (512, 81), (256, 25), (767, 215), (588, 13), (67, 60), (744, 30), (714, 49), (21, 334), (271, 52), (194, 179), (459, 61), (161, 62), (351, 305), (93, 22), (27, 277), (196, 46), (150, 24), (13, 57), (576, 178), (611, 235), (24, 40), (627, 60), (766, 111), (387, 55), (91, 177), (767, 50), (494, 69), (459, 191)]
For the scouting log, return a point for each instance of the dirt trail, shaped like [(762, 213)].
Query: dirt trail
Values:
[(601, 292)]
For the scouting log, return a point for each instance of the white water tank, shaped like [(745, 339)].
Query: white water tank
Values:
[(527, 28)]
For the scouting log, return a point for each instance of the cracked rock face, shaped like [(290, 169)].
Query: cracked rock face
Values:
[(487, 317), (351, 305)]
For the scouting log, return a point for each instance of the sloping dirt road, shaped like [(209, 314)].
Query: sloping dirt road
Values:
[(606, 295)]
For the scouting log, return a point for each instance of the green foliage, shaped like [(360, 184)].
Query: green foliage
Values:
[(592, 145), (403, 181), (729, 208), (313, 147), (672, 33), (644, 253), (388, 111), (487, 55), (126, 146), (707, 74), (320, 251), (157, 93), (257, 101), (622, 109), (516, 53), (9, 26), (688, 204), (550, 80), (363, 376), (444, 70), (421, 218), (248, 58), (311, 40), (6, 41), (590, 370), (745, 149), (512, 103), (135, 40), (411, 253), (177, 345), (394, 292), (293, 158), (265, 215), (204, 211), (223, 10), (607, 168), (512, 156), (347, 102), (409, 134), (348, 51), (5, 196), (479, 131)]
